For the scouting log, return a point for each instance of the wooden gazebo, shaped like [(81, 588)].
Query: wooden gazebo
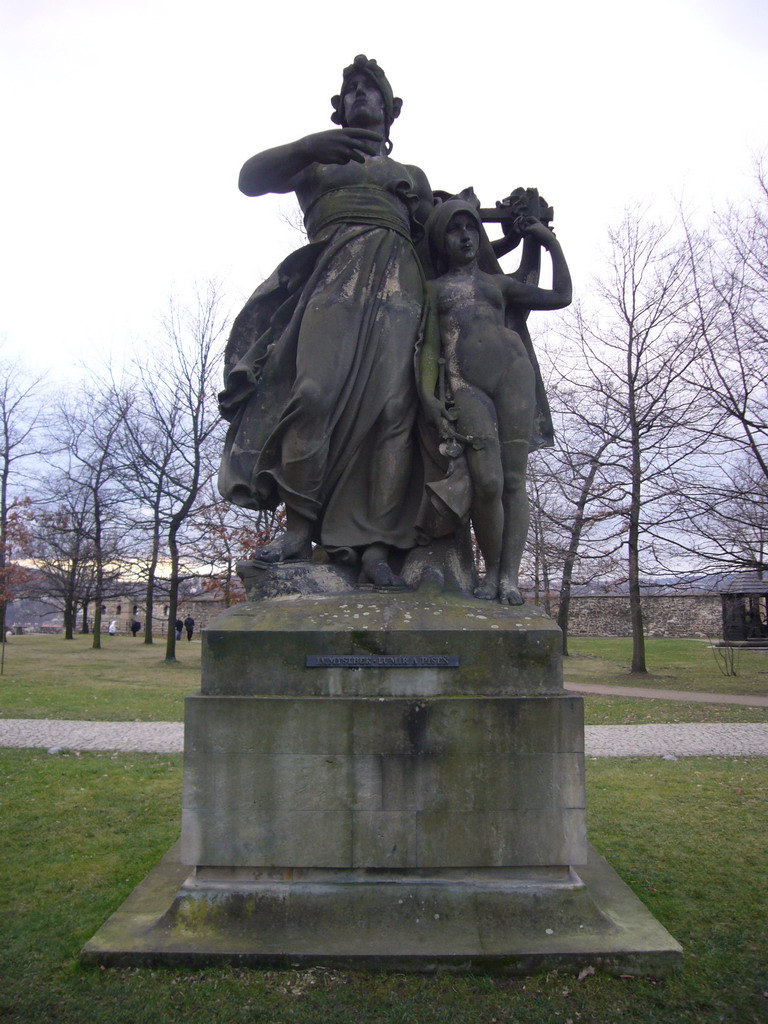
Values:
[(745, 610)]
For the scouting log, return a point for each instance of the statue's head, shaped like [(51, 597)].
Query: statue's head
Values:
[(451, 212), (370, 70)]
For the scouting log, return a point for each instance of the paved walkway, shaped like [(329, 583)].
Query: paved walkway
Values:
[(642, 691), (670, 741)]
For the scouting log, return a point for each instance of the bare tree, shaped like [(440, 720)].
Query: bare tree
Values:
[(738, 366), (89, 421), (724, 494), (587, 468), (178, 385), (542, 547), (64, 553), (633, 355), (146, 455), (20, 439), (575, 491), (222, 534), (724, 508), (14, 576)]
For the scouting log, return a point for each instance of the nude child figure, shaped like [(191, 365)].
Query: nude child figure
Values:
[(489, 380)]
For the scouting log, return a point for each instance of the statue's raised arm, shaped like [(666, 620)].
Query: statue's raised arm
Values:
[(320, 389), (275, 170)]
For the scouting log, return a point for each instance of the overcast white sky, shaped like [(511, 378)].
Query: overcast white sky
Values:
[(125, 123)]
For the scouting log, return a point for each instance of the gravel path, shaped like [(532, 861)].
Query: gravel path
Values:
[(144, 737), (684, 740), (680, 740)]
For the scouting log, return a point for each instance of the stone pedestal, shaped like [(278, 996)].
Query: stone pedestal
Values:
[(430, 733), (383, 782), (390, 780)]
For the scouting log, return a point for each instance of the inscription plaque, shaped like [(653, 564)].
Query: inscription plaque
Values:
[(382, 661)]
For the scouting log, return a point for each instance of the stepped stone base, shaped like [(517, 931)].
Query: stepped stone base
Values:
[(390, 780), (470, 923)]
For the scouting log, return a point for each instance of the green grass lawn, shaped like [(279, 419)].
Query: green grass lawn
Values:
[(80, 831), (126, 680), (673, 664), (643, 711)]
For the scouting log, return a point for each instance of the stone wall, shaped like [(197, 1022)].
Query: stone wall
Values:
[(202, 609), (670, 615)]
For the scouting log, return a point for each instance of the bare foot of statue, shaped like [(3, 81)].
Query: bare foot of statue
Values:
[(379, 574), (488, 590), (376, 569), (290, 546), (509, 593)]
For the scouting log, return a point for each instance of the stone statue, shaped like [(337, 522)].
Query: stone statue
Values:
[(393, 780), (320, 388), (321, 391), (487, 397)]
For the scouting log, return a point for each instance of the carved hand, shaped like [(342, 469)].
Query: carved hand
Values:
[(440, 417), (530, 227), (340, 145)]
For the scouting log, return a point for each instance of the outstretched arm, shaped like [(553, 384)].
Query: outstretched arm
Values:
[(526, 296), (274, 169)]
